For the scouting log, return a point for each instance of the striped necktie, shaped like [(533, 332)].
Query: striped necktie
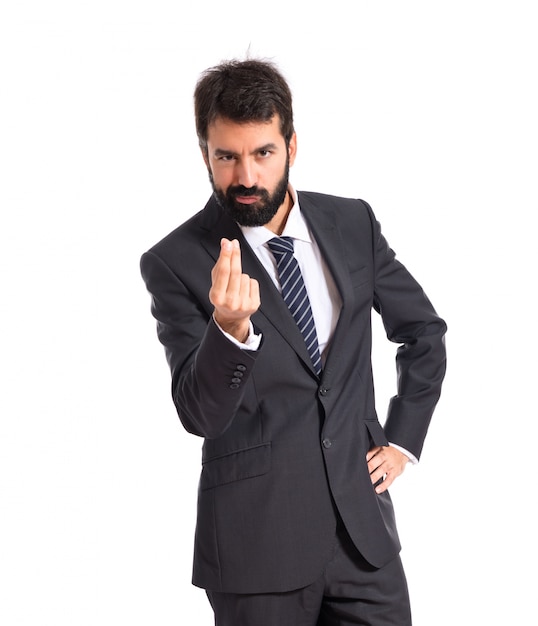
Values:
[(295, 295)]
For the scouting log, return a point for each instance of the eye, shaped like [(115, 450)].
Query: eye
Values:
[(226, 158), (264, 153)]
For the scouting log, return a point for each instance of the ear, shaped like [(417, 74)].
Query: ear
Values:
[(205, 156), (292, 148)]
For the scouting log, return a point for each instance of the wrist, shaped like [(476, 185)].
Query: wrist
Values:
[(238, 329)]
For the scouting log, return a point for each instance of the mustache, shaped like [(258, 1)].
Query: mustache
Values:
[(240, 190)]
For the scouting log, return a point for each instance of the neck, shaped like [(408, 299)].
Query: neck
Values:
[(278, 223)]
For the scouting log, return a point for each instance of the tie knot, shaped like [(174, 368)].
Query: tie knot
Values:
[(281, 245)]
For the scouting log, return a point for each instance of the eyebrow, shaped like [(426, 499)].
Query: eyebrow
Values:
[(268, 146)]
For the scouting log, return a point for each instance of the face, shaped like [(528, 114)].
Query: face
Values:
[(248, 168)]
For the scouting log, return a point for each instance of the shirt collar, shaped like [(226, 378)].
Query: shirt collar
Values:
[(296, 227)]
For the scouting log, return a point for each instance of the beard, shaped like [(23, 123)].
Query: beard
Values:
[(259, 213)]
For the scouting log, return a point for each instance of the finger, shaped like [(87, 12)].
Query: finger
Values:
[(389, 471), (387, 479), (255, 293), (220, 273), (244, 298), (385, 484), (377, 472), (226, 275), (235, 277), (378, 465), (377, 459), (371, 453), (249, 295)]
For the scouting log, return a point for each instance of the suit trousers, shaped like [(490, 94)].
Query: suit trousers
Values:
[(350, 591)]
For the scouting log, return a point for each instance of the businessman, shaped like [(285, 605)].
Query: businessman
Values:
[(263, 302)]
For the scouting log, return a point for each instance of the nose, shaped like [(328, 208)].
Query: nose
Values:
[(246, 173)]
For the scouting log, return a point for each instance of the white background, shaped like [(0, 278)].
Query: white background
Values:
[(427, 110)]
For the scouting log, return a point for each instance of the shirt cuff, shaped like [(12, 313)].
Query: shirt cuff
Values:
[(252, 342), (408, 454)]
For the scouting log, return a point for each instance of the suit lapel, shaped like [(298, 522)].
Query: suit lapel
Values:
[(322, 223), (326, 231)]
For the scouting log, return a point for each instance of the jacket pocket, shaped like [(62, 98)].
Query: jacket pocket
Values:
[(377, 434), (234, 466)]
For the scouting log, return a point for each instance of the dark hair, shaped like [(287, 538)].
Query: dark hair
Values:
[(242, 91)]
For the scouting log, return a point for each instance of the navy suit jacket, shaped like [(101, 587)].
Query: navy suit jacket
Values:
[(283, 449)]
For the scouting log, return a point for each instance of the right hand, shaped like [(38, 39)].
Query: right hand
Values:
[(234, 295)]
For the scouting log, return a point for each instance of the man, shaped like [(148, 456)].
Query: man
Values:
[(295, 524)]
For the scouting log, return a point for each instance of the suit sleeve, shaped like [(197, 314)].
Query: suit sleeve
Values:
[(411, 321), (209, 372)]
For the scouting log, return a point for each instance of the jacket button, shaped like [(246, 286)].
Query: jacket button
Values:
[(323, 391), (327, 443), (241, 367)]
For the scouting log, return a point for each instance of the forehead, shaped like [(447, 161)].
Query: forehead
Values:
[(225, 134)]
